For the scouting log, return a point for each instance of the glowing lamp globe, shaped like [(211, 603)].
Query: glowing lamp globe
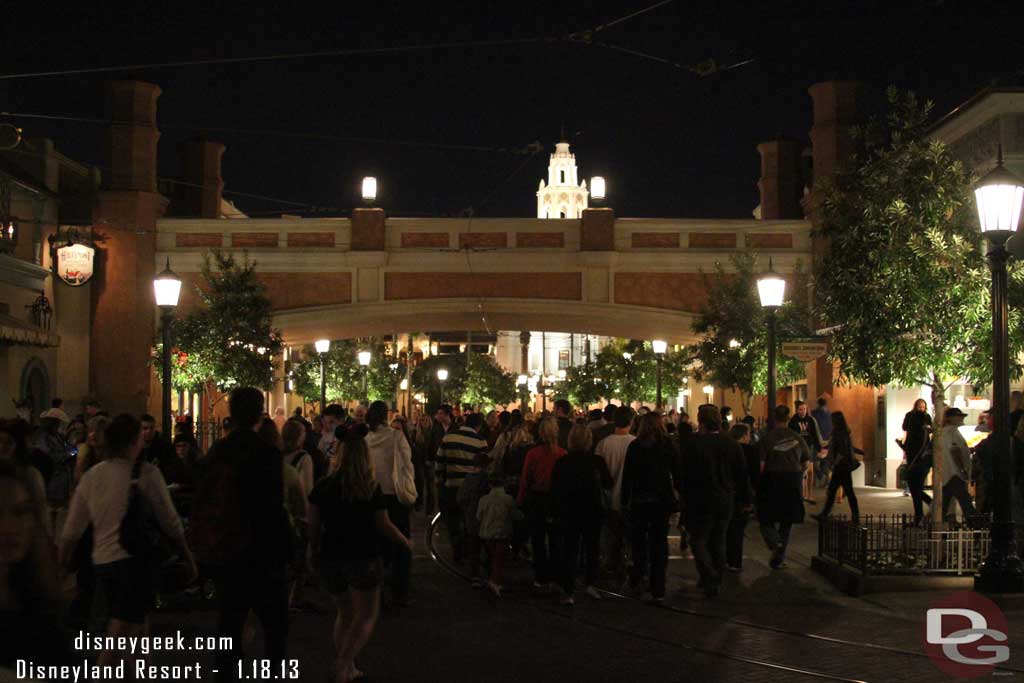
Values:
[(369, 189), (167, 287), (322, 345), (999, 195), (364, 358), (522, 379), (403, 385), (659, 346), (442, 375), (771, 288), (597, 188)]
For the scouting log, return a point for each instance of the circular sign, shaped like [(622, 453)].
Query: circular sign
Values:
[(966, 635)]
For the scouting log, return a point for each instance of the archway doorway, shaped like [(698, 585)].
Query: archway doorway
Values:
[(35, 386)]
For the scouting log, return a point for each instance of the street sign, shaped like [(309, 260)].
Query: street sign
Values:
[(804, 349), (74, 264)]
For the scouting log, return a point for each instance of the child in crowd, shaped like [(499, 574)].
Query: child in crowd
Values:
[(498, 513)]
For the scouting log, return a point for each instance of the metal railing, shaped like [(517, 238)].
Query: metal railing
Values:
[(893, 544)]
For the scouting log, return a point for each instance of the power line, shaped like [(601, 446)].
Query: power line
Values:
[(620, 20), (277, 57), (269, 132)]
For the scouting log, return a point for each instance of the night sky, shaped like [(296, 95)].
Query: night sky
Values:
[(670, 143)]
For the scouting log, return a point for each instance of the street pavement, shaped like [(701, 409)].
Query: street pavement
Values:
[(452, 632)]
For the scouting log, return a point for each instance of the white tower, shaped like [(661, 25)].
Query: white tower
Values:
[(563, 196)]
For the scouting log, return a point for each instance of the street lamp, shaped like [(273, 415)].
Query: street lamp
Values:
[(166, 289), (771, 288), (322, 347), (597, 189), (364, 361), (442, 377), (999, 195), (659, 346), (369, 189), (522, 381)]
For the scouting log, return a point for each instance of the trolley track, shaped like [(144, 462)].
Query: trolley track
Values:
[(781, 668)]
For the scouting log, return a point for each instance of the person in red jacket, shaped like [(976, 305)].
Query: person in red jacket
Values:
[(534, 488)]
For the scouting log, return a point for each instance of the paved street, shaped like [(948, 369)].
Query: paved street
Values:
[(455, 633)]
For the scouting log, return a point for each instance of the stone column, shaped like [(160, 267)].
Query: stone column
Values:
[(780, 186), (597, 230), (201, 171)]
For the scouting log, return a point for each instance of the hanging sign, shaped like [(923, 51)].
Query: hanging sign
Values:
[(74, 264), (804, 349)]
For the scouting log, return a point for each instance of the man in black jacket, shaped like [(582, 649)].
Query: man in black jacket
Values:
[(563, 414), (255, 578), (714, 475)]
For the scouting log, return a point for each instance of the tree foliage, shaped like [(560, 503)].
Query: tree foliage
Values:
[(904, 276), (229, 340), (344, 376), (485, 384), (733, 351), (624, 370)]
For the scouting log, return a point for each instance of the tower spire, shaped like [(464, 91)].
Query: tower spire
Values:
[(561, 135)]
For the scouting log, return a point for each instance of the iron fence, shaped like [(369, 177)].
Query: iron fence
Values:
[(893, 544)]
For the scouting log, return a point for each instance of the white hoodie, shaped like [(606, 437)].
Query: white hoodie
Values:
[(383, 443)]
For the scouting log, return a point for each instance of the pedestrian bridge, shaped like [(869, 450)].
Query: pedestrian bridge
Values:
[(371, 275)]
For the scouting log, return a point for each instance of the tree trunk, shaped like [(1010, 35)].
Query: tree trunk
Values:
[(747, 399), (938, 451)]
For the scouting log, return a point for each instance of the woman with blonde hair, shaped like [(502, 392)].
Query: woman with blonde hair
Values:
[(347, 518), (534, 488)]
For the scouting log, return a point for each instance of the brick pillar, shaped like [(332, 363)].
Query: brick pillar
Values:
[(125, 216), (836, 111), (597, 230), (368, 229), (201, 171), (781, 185)]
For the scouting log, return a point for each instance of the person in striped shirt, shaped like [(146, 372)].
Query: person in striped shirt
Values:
[(462, 454)]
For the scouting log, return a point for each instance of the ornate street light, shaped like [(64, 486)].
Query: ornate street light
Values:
[(166, 289), (322, 347), (771, 289), (442, 377), (999, 195), (364, 361), (659, 346)]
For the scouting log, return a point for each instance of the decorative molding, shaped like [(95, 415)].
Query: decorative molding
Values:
[(20, 273)]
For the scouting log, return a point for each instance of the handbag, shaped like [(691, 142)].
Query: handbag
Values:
[(140, 534), (403, 474)]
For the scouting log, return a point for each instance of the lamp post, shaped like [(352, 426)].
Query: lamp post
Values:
[(369, 190), (522, 381), (364, 361), (322, 347), (999, 195), (597, 190), (442, 377), (771, 288), (659, 346), (166, 289)]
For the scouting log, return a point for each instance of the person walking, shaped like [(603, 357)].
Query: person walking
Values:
[(846, 458), (347, 519), (786, 458), (714, 476), (241, 532), (956, 466), (917, 452), (612, 449), (563, 414), (580, 485), (462, 454), (497, 513), (126, 581), (534, 493), (386, 447), (734, 537), (807, 427), (649, 496), (420, 441)]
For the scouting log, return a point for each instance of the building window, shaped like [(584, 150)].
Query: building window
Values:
[(561, 214), (561, 174), (563, 359)]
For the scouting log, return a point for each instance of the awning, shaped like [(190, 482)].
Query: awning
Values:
[(14, 331)]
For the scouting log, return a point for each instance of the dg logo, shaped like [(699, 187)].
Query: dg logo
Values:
[(966, 635)]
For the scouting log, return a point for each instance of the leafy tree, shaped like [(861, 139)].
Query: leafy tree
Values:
[(624, 370), (904, 277), (344, 376), (229, 341), (734, 349), (484, 384)]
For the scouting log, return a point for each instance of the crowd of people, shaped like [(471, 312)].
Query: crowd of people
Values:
[(279, 502)]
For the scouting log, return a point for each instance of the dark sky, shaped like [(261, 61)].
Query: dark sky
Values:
[(669, 142)]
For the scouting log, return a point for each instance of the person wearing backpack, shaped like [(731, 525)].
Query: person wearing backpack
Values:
[(241, 534), (394, 473), (780, 502), (102, 500)]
